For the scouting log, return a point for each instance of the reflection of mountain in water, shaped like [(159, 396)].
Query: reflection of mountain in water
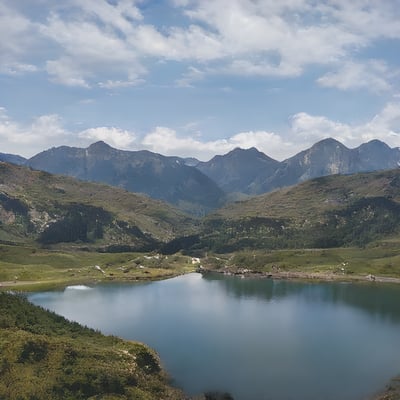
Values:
[(377, 300)]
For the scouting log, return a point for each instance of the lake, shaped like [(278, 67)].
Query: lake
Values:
[(254, 338)]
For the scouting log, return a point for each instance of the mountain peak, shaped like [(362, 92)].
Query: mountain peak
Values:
[(330, 142), (241, 150), (375, 143), (99, 146), (248, 153)]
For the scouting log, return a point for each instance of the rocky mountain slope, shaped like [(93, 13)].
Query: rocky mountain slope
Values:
[(240, 170), (160, 177), (252, 172), (200, 187), (50, 209)]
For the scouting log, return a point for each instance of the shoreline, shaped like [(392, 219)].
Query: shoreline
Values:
[(40, 285), (391, 390), (302, 276)]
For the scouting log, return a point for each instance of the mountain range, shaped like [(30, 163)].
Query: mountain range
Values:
[(39, 208), (252, 172), (160, 177), (199, 187)]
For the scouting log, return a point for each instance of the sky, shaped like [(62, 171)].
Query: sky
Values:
[(196, 78)]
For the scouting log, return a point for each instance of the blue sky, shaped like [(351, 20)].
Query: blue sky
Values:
[(198, 77)]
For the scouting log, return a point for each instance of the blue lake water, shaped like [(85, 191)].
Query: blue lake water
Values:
[(254, 338)]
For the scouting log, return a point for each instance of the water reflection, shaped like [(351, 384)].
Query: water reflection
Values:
[(254, 338), (378, 300)]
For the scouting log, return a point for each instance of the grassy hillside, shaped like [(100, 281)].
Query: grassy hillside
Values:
[(317, 196), (380, 259), (39, 207), (31, 268), (331, 211), (43, 356)]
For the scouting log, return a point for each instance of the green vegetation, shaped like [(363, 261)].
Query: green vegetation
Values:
[(57, 231), (379, 259), (44, 209), (43, 356), (328, 212), (31, 268)]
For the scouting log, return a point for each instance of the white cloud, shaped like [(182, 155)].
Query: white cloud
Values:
[(93, 41), (372, 75), (47, 131), (166, 141), (110, 84), (121, 139), (270, 143), (15, 68), (370, 19), (192, 75), (28, 139), (66, 72), (117, 16), (310, 128), (17, 38), (384, 126), (87, 50)]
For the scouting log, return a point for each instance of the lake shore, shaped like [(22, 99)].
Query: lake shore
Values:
[(39, 285), (391, 392), (303, 276)]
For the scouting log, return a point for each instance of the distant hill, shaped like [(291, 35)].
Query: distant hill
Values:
[(39, 207), (331, 211), (240, 170), (252, 172), (160, 177), (12, 158)]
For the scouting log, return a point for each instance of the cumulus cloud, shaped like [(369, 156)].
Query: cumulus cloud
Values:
[(166, 141), (372, 75), (48, 131), (88, 51), (304, 130), (28, 139), (384, 126), (17, 38), (121, 139), (113, 43)]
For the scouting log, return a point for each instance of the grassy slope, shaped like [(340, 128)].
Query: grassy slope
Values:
[(45, 193), (381, 259), (43, 356), (30, 268), (315, 197), (324, 212)]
